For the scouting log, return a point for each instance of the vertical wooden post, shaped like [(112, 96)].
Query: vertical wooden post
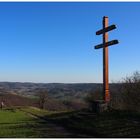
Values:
[(105, 45), (105, 62)]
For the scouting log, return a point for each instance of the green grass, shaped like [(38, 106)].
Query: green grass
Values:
[(37, 111), (107, 124), (30, 122), (40, 112), (15, 123)]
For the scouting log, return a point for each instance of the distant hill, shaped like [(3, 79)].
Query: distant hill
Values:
[(61, 96), (55, 90), (16, 100), (10, 100)]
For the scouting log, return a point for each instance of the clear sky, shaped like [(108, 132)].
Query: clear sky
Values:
[(54, 42)]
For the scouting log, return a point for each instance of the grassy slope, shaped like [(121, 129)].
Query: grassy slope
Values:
[(108, 124), (20, 123), (14, 124)]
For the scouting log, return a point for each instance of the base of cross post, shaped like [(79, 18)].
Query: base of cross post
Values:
[(99, 106), (107, 96)]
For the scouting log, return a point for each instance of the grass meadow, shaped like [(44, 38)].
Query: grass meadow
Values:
[(15, 123), (31, 122)]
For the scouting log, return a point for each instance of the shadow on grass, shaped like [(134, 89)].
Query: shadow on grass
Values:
[(86, 124), (115, 124), (29, 129)]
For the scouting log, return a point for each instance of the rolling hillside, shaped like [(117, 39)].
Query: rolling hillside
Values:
[(55, 90), (51, 104)]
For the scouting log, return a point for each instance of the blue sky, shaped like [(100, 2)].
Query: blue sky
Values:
[(54, 42)]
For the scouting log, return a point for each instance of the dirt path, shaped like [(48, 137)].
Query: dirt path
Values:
[(53, 130)]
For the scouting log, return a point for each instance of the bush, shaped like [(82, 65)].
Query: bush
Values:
[(131, 92), (93, 96), (126, 94)]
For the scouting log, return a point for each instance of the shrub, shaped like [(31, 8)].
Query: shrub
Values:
[(93, 96), (131, 92), (127, 94)]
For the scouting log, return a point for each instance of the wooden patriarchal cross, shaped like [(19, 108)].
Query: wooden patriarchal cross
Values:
[(105, 45)]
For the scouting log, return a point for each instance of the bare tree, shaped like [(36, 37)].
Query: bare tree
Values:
[(43, 96)]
